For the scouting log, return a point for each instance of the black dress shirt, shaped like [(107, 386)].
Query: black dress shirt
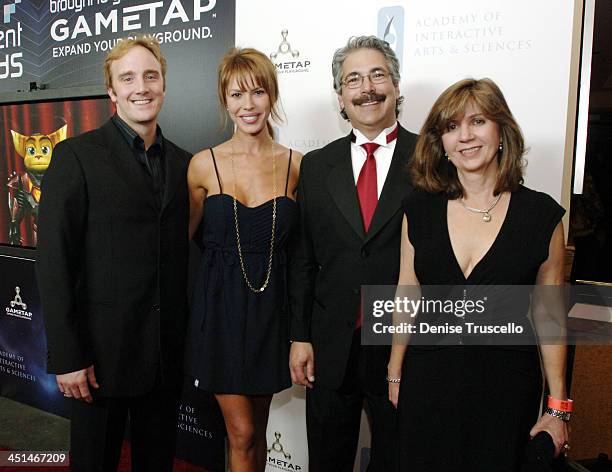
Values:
[(151, 159)]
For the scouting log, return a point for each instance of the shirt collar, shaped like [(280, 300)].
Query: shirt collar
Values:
[(135, 142), (381, 139)]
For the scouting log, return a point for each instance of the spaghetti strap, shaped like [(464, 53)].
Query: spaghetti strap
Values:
[(288, 172), (216, 170)]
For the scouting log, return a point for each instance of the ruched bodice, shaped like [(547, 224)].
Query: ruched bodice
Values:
[(238, 339)]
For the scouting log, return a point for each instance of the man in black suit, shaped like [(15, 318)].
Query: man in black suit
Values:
[(112, 269), (349, 196)]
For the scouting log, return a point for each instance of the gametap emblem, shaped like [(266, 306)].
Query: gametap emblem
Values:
[(284, 47), (18, 301), (278, 447)]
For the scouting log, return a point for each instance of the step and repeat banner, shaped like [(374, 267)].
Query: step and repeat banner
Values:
[(524, 46), (23, 349)]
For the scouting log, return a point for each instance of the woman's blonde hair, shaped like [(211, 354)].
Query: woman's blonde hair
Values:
[(250, 67)]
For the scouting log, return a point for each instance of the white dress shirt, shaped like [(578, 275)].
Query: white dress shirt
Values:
[(383, 155)]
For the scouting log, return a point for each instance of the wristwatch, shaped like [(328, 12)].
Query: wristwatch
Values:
[(562, 415)]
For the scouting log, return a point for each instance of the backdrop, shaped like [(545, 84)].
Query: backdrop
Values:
[(524, 46)]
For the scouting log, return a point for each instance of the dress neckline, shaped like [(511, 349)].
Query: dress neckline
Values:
[(267, 202), (487, 254)]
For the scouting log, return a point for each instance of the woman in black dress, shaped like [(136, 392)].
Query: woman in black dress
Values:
[(242, 193), (472, 224)]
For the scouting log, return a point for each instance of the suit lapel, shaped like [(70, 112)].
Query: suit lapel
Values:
[(341, 186), (395, 186), (123, 161)]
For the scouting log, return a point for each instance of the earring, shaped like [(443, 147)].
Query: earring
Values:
[(501, 146), (447, 156)]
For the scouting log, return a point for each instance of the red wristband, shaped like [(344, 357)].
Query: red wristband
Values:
[(561, 405)]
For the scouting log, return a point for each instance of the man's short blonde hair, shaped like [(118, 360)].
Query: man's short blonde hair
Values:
[(120, 49)]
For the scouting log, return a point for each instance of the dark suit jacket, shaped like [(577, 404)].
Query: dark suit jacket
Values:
[(103, 249), (331, 256)]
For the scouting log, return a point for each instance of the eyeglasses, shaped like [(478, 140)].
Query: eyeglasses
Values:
[(355, 80)]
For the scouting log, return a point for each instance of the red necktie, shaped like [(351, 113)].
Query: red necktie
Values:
[(367, 189)]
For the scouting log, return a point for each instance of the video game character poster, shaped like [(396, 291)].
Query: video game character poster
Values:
[(28, 134)]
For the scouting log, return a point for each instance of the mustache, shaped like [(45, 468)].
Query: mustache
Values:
[(369, 97)]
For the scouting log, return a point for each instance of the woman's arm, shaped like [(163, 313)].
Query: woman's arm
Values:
[(554, 356), (408, 278), (296, 162), (196, 177)]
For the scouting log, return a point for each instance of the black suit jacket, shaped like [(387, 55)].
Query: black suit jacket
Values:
[(332, 256), (111, 267)]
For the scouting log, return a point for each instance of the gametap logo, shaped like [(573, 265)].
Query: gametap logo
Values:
[(286, 57), (279, 458), (18, 307), (391, 29)]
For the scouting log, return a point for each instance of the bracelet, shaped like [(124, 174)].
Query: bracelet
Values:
[(562, 405), (393, 380), (562, 415)]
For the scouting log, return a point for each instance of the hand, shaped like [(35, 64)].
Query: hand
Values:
[(557, 428), (76, 384), (394, 393), (301, 364)]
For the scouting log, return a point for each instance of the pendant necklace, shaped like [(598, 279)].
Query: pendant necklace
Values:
[(486, 214), (237, 226)]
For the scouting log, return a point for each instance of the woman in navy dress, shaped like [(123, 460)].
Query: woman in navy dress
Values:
[(242, 194), (472, 224)]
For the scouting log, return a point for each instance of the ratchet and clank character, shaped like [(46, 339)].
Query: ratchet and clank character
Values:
[(24, 189)]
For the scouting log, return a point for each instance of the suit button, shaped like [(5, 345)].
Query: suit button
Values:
[(155, 308), (365, 253), (356, 291)]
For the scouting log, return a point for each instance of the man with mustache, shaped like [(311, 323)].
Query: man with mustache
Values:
[(349, 196)]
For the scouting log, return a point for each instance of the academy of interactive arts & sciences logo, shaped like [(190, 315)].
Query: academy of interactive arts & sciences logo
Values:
[(18, 308), (287, 59)]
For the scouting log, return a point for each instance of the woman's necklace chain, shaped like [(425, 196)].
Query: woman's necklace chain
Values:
[(237, 226), (486, 215)]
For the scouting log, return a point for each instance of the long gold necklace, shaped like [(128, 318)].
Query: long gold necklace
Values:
[(237, 225)]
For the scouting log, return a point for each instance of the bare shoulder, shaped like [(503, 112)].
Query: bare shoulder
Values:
[(296, 160), (294, 171), (296, 157), (201, 169), (201, 162)]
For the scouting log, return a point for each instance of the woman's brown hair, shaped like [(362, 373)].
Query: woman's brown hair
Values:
[(430, 169)]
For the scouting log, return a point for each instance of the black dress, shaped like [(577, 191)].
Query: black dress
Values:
[(238, 340), (470, 408)]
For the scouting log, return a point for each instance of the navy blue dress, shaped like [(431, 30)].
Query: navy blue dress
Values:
[(238, 340)]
